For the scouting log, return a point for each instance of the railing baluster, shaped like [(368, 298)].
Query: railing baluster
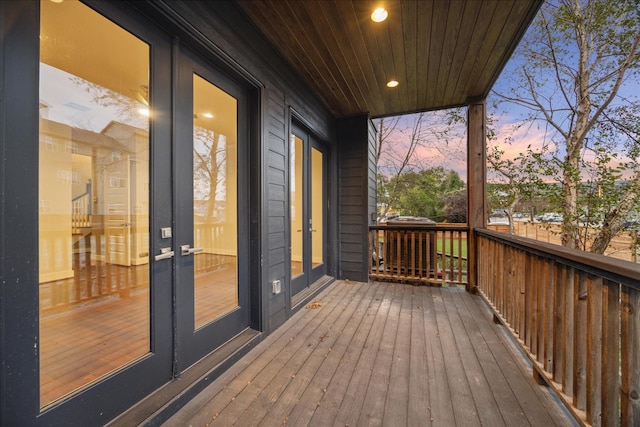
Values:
[(630, 357), (549, 277), (569, 319), (610, 354), (528, 303), (580, 343), (559, 320), (576, 316), (594, 350), (419, 254)]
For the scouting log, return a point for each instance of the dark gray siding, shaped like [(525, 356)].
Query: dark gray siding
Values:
[(231, 42), (357, 195), (277, 200)]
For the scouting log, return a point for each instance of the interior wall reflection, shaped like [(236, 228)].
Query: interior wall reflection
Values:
[(215, 201), (93, 198), (296, 200), (317, 204)]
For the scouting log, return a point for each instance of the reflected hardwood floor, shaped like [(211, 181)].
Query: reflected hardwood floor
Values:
[(99, 321)]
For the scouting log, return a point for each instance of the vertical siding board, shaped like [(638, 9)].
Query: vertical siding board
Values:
[(356, 189), (275, 190)]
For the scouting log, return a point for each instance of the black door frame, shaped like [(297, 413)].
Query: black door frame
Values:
[(192, 345), (310, 274), (20, 354)]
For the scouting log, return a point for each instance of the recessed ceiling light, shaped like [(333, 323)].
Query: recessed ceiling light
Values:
[(207, 115), (379, 15), (392, 83)]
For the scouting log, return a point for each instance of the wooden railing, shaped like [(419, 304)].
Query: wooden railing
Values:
[(81, 210), (577, 317), (419, 254)]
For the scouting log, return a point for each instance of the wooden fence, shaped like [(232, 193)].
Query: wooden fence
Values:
[(577, 317)]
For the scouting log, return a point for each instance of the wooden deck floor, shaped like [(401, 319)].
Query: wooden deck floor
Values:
[(380, 354)]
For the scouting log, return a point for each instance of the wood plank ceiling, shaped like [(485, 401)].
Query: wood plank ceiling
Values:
[(442, 52)]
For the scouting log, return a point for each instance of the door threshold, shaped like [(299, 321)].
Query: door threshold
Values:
[(304, 296), (164, 402)]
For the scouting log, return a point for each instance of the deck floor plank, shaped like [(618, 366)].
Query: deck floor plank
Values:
[(397, 401), (464, 409), (352, 400), (536, 403), (342, 377), (310, 400), (419, 398), (279, 370), (288, 391), (482, 395), (380, 354), (441, 406), (226, 389), (499, 388), (377, 388)]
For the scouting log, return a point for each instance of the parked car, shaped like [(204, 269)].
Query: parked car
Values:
[(549, 217)]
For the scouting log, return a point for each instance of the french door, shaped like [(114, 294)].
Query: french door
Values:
[(307, 195), (143, 218), (104, 193), (212, 206)]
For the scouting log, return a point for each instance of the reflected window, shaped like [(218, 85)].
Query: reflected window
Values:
[(215, 205), (94, 198)]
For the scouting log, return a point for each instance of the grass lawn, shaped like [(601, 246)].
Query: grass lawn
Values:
[(447, 247)]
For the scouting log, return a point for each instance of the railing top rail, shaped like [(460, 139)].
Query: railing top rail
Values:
[(416, 226), (617, 270)]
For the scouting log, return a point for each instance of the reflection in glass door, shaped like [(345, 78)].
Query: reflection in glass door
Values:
[(215, 231), (93, 198), (211, 210), (307, 203), (297, 194)]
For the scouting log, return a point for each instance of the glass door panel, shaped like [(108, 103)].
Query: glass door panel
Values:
[(316, 223), (215, 231), (93, 198), (212, 214), (307, 197), (297, 214)]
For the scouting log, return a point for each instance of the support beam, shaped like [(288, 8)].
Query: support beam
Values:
[(476, 183), (357, 195)]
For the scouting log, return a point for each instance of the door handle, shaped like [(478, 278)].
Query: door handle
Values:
[(312, 230), (188, 250), (165, 253)]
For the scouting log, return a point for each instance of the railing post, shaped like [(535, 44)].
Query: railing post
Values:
[(476, 183)]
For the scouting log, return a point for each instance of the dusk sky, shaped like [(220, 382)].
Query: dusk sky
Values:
[(451, 153)]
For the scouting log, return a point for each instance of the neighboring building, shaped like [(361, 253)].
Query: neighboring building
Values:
[(175, 184)]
